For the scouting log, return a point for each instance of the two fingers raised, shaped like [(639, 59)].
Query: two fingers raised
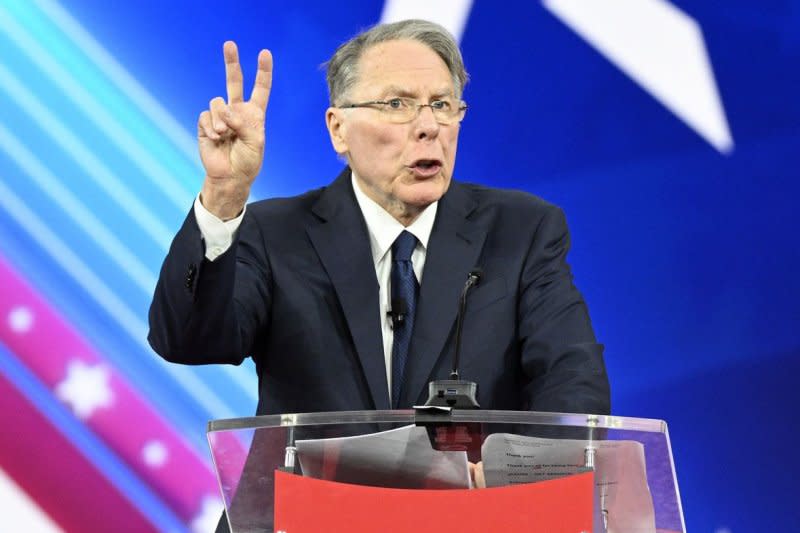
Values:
[(219, 121), (234, 81)]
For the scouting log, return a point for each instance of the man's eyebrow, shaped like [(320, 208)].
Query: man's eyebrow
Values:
[(396, 90), (444, 93)]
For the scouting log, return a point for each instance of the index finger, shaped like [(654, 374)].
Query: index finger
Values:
[(233, 72), (263, 83)]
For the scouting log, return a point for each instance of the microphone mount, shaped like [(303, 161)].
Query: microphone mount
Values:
[(398, 312), (455, 393), (447, 394)]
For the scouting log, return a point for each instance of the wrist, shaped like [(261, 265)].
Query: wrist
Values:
[(225, 205)]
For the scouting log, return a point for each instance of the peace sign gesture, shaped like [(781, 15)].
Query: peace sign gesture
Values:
[(230, 136)]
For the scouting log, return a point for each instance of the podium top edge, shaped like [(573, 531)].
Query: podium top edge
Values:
[(410, 416)]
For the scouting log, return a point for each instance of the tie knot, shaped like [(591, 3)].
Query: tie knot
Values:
[(403, 246)]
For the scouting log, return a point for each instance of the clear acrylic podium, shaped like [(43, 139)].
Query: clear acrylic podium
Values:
[(258, 471)]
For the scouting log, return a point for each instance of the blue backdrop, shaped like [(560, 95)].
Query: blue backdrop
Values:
[(687, 254)]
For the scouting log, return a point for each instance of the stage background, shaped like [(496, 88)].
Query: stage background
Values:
[(680, 193)]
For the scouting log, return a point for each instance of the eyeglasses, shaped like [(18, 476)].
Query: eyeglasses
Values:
[(401, 110)]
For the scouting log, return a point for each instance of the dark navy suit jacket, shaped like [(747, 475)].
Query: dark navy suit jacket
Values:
[(297, 291)]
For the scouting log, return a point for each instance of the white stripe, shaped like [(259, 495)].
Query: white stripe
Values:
[(452, 14), (94, 167), (20, 512), (185, 142), (97, 230), (128, 320), (95, 111), (246, 381)]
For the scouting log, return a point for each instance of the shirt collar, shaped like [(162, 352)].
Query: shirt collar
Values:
[(383, 228)]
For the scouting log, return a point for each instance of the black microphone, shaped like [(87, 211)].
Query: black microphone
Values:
[(473, 278), (455, 392), (398, 312)]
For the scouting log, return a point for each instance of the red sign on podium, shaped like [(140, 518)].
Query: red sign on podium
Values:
[(307, 505)]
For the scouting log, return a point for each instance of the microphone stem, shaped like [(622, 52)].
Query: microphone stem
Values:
[(462, 302)]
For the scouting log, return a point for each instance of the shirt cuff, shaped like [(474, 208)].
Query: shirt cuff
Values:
[(218, 235)]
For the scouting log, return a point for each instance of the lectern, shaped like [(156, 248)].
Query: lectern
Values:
[(406, 470)]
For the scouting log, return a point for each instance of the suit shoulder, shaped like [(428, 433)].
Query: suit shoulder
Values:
[(509, 200)]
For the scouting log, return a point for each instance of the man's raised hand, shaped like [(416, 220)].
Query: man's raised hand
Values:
[(230, 136)]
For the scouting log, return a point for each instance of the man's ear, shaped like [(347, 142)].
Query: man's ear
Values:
[(334, 119)]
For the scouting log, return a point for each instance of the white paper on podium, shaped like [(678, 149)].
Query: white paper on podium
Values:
[(398, 458), (620, 474)]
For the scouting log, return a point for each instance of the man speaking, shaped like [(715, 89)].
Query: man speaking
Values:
[(346, 296)]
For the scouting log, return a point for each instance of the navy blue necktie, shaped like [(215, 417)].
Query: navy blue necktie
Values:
[(404, 304)]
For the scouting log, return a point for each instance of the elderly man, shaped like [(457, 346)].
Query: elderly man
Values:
[(346, 296)]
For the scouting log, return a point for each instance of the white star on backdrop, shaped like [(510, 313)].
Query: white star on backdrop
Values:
[(452, 14), (154, 453), (653, 42), (659, 47), (20, 319), (85, 388)]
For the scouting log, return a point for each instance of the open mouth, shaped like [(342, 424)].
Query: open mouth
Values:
[(426, 167)]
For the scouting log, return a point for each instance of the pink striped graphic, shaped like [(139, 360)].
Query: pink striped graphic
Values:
[(64, 483), (103, 400)]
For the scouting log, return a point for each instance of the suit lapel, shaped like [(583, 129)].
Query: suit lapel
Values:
[(342, 243), (453, 250)]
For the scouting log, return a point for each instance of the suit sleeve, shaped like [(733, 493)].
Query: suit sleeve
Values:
[(561, 359), (210, 311)]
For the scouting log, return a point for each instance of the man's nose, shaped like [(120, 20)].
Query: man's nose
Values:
[(426, 125)]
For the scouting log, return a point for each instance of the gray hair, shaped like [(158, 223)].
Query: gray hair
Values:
[(343, 66)]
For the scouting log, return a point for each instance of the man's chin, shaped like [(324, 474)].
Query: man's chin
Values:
[(419, 203), (422, 195)]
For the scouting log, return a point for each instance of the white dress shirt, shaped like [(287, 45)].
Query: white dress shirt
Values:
[(383, 229)]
